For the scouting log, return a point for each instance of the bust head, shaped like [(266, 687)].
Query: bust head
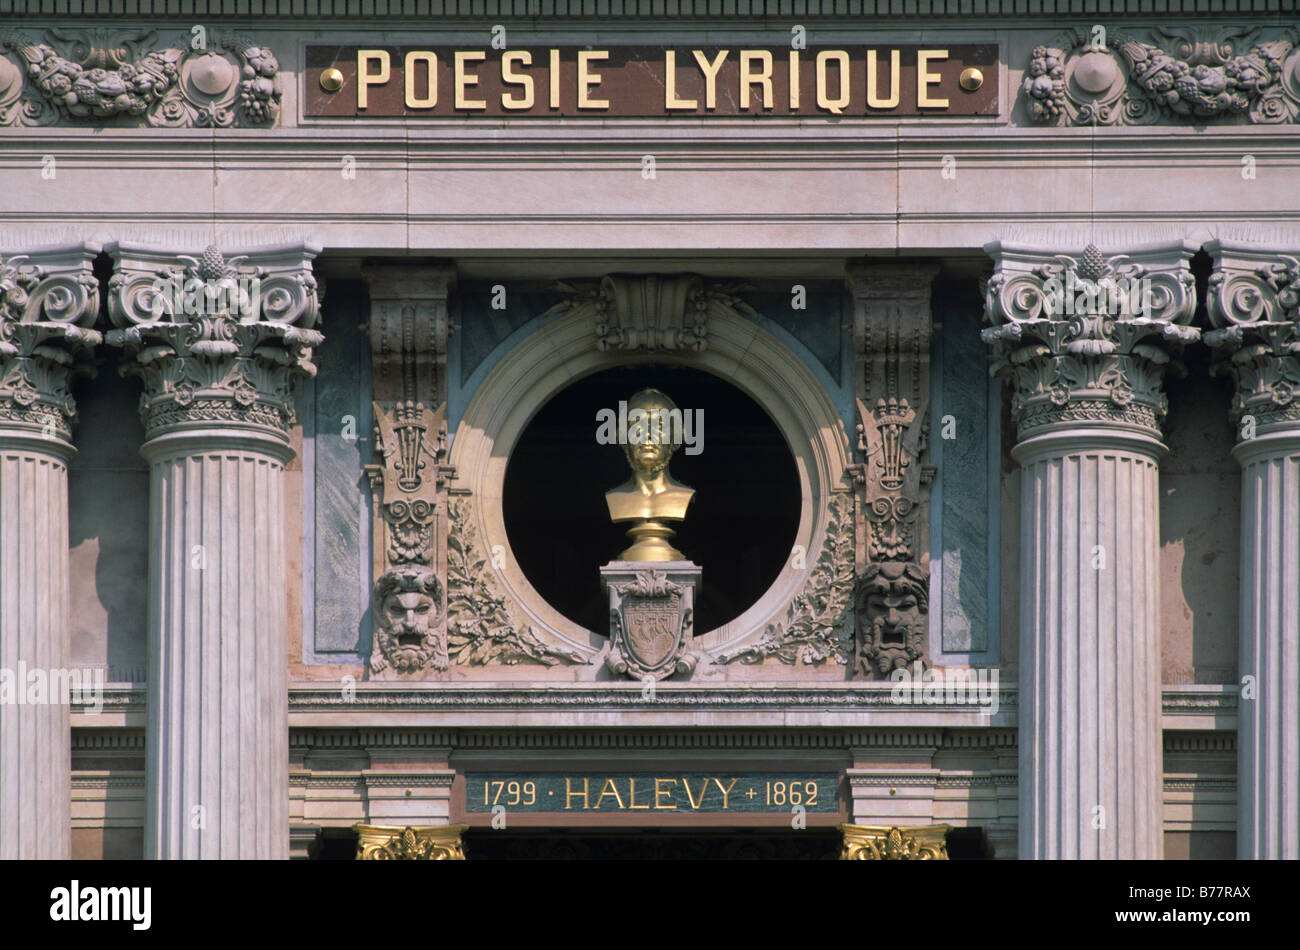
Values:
[(652, 434), (409, 601), (893, 603)]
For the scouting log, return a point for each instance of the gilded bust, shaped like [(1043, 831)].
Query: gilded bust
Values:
[(651, 495)]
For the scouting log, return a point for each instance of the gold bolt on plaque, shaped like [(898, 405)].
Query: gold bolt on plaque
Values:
[(331, 80), (970, 80)]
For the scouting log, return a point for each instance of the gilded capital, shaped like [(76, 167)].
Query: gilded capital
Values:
[(49, 299), (427, 843), (217, 340), (869, 843), (1086, 340), (1254, 307)]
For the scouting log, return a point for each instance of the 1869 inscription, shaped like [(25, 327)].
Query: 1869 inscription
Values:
[(651, 792)]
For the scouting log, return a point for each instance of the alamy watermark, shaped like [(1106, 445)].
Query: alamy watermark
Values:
[(192, 296), (919, 686), (684, 427), (37, 686), (1128, 296)]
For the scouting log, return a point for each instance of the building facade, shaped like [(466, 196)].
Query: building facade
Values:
[(326, 328)]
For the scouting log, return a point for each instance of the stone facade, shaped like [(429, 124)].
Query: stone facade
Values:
[(300, 580)]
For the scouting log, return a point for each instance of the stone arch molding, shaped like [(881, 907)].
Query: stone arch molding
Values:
[(576, 344)]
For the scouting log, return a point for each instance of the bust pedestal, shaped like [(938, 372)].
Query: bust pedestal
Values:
[(651, 617)]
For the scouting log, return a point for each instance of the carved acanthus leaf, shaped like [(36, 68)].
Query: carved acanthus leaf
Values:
[(818, 624), (480, 627)]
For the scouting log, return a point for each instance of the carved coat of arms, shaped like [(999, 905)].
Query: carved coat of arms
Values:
[(650, 623)]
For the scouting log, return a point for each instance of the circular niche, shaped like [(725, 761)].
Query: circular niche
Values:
[(741, 524)]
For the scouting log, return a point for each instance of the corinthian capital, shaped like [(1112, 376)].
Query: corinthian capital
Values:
[(49, 299), (1254, 305), (1086, 341), (215, 340)]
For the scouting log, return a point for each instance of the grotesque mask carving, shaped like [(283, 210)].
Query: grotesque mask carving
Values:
[(407, 636), (893, 606)]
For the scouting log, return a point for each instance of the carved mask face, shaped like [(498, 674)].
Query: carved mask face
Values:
[(893, 623), (405, 638)]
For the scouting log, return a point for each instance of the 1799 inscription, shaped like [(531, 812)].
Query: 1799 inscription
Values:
[(651, 791)]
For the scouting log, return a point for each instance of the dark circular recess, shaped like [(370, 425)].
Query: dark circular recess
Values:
[(740, 527)]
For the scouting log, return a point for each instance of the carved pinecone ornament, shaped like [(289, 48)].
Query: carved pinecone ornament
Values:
[(212, 265), (1092, 264)]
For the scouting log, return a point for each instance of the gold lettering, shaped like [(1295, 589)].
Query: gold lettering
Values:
[(794, 80), (670, 85), (710, 71), (587, 79), (365, 78), (824, 101), (925, 79), (555, 79), (661, 792), (612, 790), (508, 75), (704, 787), (464, 79), (748, 77), (631, 794), (725, 791), (873, 75), (570, 795), (430, 61)]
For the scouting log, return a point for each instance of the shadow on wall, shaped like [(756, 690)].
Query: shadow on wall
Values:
[(1200, 503), (108, 527)]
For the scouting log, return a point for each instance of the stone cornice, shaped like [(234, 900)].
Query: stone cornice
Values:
[(477, 10), (216, 341), (1254, 306), (1086, 340), (49, 299), (532, 707)]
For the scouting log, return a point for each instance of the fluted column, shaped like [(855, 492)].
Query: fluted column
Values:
[(1254, 304), (217, 347), (1085, 344), (48, 300)]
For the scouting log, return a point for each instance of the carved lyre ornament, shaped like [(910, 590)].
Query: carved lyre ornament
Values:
[(891, 335), (48, 304), (1087, 340), (1254, 306), (650, 312)]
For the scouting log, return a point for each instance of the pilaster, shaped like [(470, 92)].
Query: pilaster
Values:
[(1085, 343), (49, 299), (892, 326), (217, 343), (1254, 305), (408, 337)]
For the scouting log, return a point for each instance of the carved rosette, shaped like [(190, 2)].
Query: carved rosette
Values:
[(891, 336), (127, 76), (1254, 305), (651, 617), (866, 843), (1087, 341), (1194, 73), (216, 342), (48, 302), (651, 312), (430, 843)]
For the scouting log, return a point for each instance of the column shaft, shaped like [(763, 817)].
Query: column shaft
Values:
[(218, 762), (35, 807), (1268, 731), (1090, 742)]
